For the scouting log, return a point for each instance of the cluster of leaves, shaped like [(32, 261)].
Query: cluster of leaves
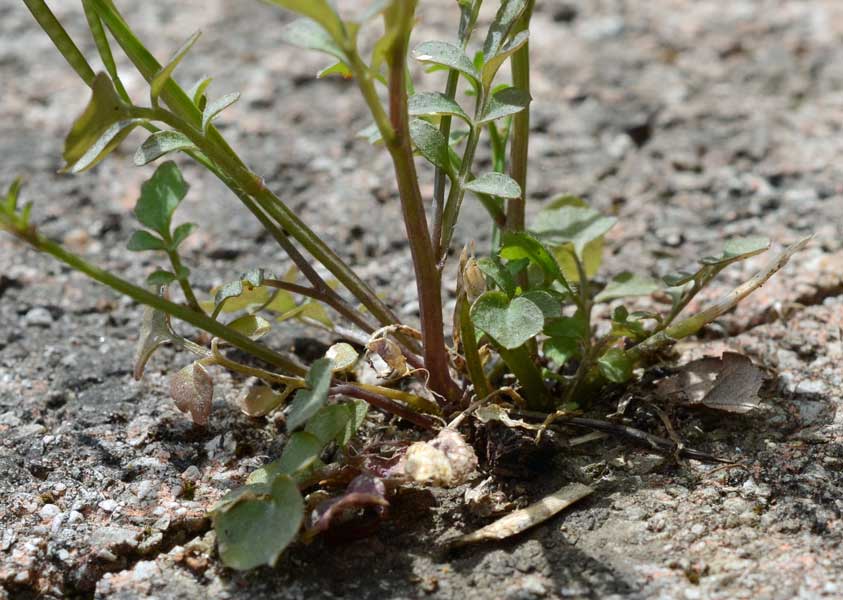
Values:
[(524, 311)]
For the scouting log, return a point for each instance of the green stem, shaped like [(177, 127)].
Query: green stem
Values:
[(53, 28), (440, 174), (515, 219), (520, 362), (184, 282), (139, 294), (469, 347)]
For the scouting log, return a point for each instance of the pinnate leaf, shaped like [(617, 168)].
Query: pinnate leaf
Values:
[(160, 196), (143, 240), (182, 232)]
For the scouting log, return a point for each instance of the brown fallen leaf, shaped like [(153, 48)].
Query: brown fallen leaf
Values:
[(523, 519), (730, 383), (193, 391)]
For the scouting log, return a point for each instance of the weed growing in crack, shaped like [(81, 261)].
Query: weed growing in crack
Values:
[(522, 328)]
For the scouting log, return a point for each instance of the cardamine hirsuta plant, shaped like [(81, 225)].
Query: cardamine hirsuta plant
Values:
[(522, 330)]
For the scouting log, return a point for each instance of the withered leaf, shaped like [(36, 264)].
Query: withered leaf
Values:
[(447, 460), (155, 330), (730, 383), (391, 361), (193, 391)]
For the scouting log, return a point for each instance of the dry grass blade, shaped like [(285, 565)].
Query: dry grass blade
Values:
[(521, 520)]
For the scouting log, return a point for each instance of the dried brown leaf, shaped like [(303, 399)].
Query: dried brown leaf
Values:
[(193, 391)]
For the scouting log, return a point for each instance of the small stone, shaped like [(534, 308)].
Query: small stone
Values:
[(145, 487), (48, 511), (38, 317), (698, 529), (108, 505), (192, 473), (74, 517)]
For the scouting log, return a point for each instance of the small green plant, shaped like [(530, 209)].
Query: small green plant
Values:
[(523, 323)]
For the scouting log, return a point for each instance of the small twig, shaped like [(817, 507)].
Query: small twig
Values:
[(385, 404)]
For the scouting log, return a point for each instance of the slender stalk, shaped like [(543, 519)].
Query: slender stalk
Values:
[(519, 150), (472, 355), (440, 175), (385, 404), (228, 162), (139, 294), (184, 283), (331, 300), (520, 362)]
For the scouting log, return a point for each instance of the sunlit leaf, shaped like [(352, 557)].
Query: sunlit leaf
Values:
[(509, 323), (260, 400), (159, 144), (592, 254), (106, 143), (493, 63), (435, 103), (252, 326), (508, 101), (254, 532), (320, 11), (157, 83), (626, 285), (494, 270), (193, 391), (507, 16), (518, 245), (394, 360), (160, 196), (308, 401), (305, 33), (738, 249), (240, 294), (571, 224), (550, 305), (197, 92), (339, 68), (343, 356), (105, 110), (447, 55), (216, 107), (495, 184)]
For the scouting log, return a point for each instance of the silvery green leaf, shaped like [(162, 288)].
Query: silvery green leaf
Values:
[(159, 144), (505, 102), (447, 55), (435, 103), (495, 184), (216, 107), (160, 78)]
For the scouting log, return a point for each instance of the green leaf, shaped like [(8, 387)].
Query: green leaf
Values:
[(572, 225), (159, 144), (182, 232), (320, 11), (308, 401), (243, 293), (435, 103), (260, 400), (508, 101), (157, 83), (343, 356), (560, 350), (339, 68), (281, 302), (330, 423), (493, 63), (447, 55), (679, 278), (592, 254), (499, 274), (508, 14), (550, 306), (104, 111), (216, 107), (143, 240), (359, 410), (495, 184), (300, 453), (574, 327), (305, 33), (509, 323), (110, 139), (160, 196), (431, 144), (254, 532), (197, 92), (160, 278), (627, 284), (615, 365), (519, 245), (738, 249), (252, 326)]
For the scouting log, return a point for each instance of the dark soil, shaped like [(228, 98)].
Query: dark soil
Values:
[(692, 120)]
